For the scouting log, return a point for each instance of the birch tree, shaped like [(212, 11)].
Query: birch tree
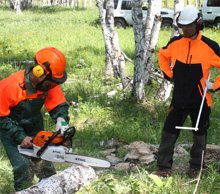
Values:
[(151, 36), (137, 17), (84, 2), (165, 3), (72, 3), (112, 47), (17, 7), (166, 87), (76, 3), (145, 43)]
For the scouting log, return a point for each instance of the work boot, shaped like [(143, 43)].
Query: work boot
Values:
[(166, 150), (198, 147), (163, 173)]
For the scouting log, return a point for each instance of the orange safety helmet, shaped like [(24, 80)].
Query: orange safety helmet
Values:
[(53, 62)]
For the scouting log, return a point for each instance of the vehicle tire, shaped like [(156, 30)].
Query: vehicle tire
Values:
[(120, 23), (167, 23), (217, 22)]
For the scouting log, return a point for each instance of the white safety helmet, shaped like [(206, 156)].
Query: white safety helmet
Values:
[(188, 15)]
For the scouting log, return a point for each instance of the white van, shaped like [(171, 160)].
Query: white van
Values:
[(211, 11), (123, 15)]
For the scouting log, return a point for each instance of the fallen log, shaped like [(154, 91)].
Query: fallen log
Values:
[(68, 181)]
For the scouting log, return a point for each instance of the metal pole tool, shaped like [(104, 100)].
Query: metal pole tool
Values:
[(200, 111)]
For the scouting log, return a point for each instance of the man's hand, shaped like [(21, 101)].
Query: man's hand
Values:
[(61, 125), (27, 142), (209, 86)]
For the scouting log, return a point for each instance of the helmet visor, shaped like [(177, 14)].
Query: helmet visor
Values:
[(59, 80)]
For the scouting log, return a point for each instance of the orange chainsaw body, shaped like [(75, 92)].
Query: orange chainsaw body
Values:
[(43, 136)]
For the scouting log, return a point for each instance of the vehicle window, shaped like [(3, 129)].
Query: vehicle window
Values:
[(126, 5), (213, 3)]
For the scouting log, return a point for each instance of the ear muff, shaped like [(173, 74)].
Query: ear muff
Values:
[(199, 22), (38, 71), (177, 19)]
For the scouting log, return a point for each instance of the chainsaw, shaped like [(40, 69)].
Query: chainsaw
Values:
[(52, 147)]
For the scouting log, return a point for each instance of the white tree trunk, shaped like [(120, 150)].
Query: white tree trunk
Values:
[(114, 51), (76, 3), (112, 48), (68, 181), (84, 3), (32, 3), (178, 6), (108, 65), (17, 7), (49, 3), (188, 2), (152, 37), (72, 3), (137, 17), (166, 87), (164, 92), (124, 80)]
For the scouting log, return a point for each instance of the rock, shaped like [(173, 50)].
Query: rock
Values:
[(143, 148), (147, 159), (125, 166), (108, 151), (180, 151), (122, 148), (114, 160), (132, 155), (212, 152)]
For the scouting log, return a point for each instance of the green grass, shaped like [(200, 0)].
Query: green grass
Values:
[(77, 33)]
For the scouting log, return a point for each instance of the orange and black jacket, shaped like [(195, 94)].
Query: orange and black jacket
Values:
[(191, 61), (20, 106)]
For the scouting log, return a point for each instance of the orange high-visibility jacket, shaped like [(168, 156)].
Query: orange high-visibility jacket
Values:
[(20, 105), (191, 61)]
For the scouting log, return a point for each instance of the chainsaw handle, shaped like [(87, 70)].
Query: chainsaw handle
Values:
[(41, 150), (69, 133)]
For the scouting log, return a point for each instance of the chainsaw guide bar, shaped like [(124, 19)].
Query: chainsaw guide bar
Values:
[(51, 147)]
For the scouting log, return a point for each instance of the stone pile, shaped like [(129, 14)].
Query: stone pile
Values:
[(125, 156)]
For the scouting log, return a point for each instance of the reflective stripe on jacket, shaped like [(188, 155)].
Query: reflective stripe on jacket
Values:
[(191, 63)]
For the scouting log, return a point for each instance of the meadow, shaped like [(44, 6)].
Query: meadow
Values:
[(99, 118)]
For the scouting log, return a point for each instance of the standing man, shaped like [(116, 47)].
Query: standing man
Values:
[(192, 56), (22, 96)]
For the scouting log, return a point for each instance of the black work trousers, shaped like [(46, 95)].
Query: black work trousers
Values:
[(177, 117)]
